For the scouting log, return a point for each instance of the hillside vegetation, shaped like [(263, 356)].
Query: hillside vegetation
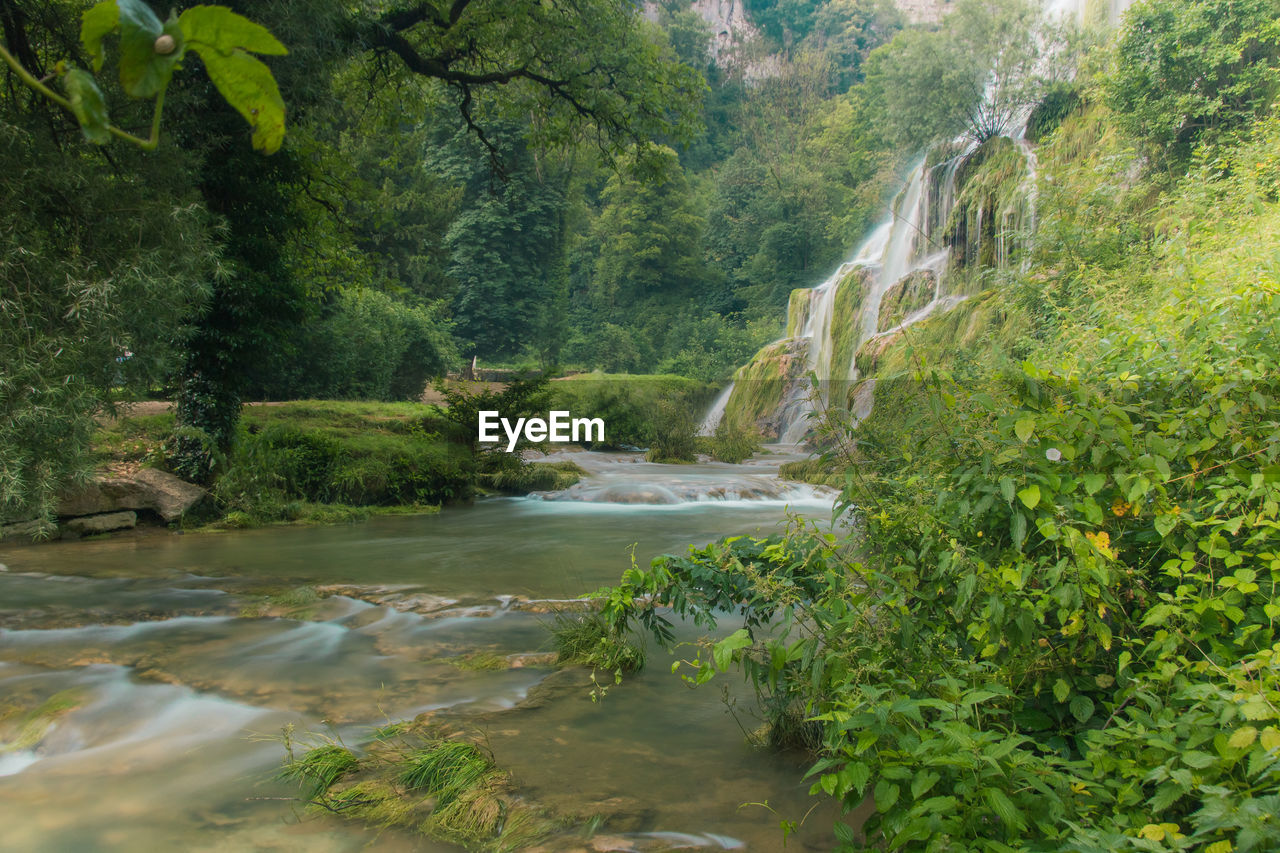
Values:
[(1055, 625)]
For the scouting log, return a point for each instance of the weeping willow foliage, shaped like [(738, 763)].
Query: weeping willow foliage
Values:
[(100, 257)]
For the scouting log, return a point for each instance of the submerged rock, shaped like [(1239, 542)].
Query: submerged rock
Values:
[(395, 596), (91, 524)]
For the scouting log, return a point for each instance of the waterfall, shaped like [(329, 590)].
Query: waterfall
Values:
[(907, 242), (897, 277), (716, 414)]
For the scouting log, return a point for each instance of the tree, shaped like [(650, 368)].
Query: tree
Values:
[(102, 256), (587, 68), (649, 234), (505, 245), (978, 75), (1186, 71)]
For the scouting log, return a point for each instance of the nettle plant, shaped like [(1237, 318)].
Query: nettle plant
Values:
[(151, 50)]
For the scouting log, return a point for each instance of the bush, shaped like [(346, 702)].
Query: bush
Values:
[(365, 346), (290, 461), (732, 443), (630, 406), (673, 434), (534, 477), (588, 640), (1186, 72)]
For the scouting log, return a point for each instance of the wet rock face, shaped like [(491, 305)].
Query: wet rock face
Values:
[(905, 297), (145, 489), (105, 523)]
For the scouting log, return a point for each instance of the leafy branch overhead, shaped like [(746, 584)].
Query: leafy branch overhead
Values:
[(151, 50), (585, 66)]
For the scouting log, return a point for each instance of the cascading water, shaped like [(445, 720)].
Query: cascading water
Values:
[(898, 276), (906, 243), (716, 414)]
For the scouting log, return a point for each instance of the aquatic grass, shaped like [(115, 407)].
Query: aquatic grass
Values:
[(32, 726), (296, 602), (320, 767), (445, 770), (481, 662), (815, 471), (588, 640)]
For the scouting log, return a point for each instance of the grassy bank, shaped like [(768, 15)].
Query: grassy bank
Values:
[(325, 461), (314, 461)]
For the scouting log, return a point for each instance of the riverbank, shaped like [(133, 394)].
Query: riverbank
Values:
[(326, 462)]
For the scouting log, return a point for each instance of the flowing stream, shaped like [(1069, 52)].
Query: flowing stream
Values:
[(178, 676)]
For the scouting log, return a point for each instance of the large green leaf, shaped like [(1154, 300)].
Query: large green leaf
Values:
[(144, 73), (224, 41), (218, 28), (95, 24), (723, 650), (248, 86), (88, 105)]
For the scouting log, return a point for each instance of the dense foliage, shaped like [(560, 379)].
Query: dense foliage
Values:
[(1190, 72), (1051, 623)]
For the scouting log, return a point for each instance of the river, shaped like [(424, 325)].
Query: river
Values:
[(181, 657)]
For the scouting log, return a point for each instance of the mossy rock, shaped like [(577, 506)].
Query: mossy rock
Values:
[(761, 385), (905, 297), (991, 204), (798, 308)]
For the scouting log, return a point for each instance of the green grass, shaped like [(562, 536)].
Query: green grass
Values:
[(319, 461), (445, 770), (416, 778), (585, 639), (28, 726), (481, 662), (813, 471), (319, 768), (132, 439)]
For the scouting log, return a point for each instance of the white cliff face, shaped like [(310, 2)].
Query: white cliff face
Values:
[(1082, 11), (730, 25), (729, 22)]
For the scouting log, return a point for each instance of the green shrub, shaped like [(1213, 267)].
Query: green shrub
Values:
[(534, 477), (321, 462), (366, 345), (733, 443), (630, 406), (673, 433)]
